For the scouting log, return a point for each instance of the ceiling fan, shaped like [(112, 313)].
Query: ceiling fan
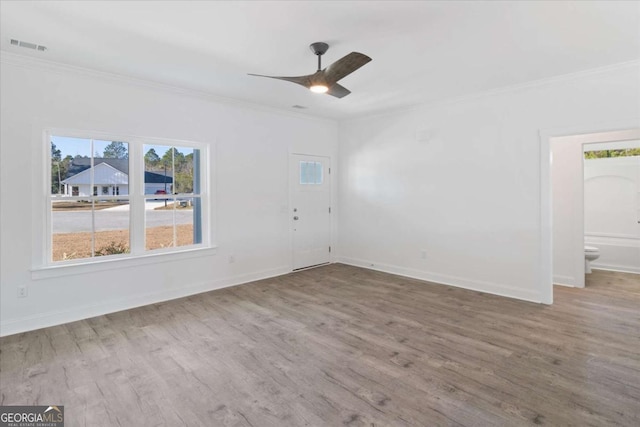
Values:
[(326, 80)]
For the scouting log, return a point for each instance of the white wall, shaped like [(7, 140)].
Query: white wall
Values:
[(462, 181), (568, 220), (251, 187), (612, 211), (459, 180)]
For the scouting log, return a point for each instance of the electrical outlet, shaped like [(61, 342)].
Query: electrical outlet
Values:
[(22, 292), (423, 254), (232, 259)]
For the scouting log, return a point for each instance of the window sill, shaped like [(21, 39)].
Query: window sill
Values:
[(119, 263)]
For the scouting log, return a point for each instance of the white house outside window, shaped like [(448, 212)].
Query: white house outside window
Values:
[(123, 198)]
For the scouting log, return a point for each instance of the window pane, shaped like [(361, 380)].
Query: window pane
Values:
[(159, 232), (184, 167), (111, 167), (311, 173), (71, 227), (305, 173), (69, 157), (185, 212), (111, 227), (73, 232), (620, 152), (317, 173), (158, 167)]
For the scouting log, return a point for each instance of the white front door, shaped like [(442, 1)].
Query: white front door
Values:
[(310, 178)]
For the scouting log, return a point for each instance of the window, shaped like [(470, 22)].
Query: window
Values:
[(310, 173), (150, 198), (171, 219), (621, 152)]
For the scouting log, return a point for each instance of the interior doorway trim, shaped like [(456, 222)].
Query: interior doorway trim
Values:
[(628, 129)]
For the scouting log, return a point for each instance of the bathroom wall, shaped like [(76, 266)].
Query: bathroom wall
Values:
[(612, 211), (567, 173)]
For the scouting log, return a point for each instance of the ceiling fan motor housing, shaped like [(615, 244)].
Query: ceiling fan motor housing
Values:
[(326, 80), (319, 48)]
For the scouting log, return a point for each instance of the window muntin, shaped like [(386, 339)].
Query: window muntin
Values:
[(93, 201)]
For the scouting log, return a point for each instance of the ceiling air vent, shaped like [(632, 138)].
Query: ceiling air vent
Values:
[(28, 45)]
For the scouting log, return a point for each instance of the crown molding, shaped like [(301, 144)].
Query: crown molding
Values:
[(7, 57), (499, 91), (58, 67)]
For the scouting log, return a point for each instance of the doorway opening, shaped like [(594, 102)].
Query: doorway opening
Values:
[(612, 206), (563, 258)]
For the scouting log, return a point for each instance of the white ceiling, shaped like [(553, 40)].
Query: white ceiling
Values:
[(422, 51)]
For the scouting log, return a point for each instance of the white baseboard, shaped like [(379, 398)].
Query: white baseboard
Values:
[(459, 282), (563, 284), (30, 323), (568, 281), (618, 268)]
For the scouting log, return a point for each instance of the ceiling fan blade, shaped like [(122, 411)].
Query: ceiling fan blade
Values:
[(338, 91), (345, 66), (301, 80)]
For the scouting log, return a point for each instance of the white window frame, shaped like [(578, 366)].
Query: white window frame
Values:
[(43, 264)]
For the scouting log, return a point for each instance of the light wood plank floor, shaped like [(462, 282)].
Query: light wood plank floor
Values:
[(340, 345)]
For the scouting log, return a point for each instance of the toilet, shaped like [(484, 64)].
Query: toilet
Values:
[(591, 253)]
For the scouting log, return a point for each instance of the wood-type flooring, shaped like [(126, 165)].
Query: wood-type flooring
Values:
[(342, 346)]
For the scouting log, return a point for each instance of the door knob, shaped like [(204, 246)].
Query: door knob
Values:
[(295, 218)]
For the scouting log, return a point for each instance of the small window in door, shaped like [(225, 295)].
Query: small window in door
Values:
[(311, 173)]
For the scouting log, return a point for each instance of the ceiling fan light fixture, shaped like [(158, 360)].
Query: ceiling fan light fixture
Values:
[(318, 88), (325, 80)]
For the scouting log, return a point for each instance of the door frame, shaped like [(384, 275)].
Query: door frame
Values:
[(290, 209), (622, 130)]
